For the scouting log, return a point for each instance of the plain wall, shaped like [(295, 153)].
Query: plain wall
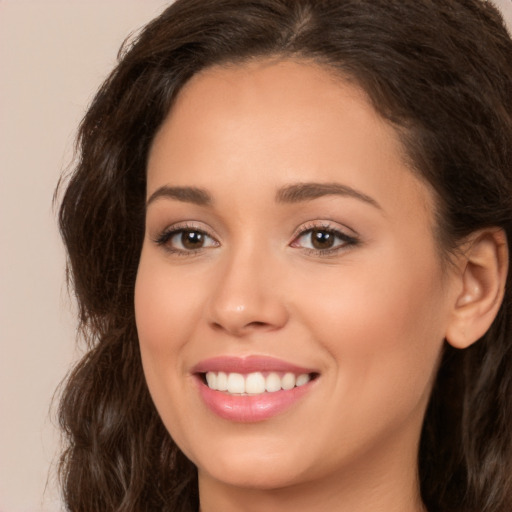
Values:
[(53, 56)]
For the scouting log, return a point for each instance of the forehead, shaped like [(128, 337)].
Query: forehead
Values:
[(294, 96), (274, 122)]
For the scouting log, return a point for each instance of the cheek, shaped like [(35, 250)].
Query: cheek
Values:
[(164, 317), (382, 323), (383, 335), (163, 306)]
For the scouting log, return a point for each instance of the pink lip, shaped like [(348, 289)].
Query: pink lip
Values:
[(249, 408), (249, 364)]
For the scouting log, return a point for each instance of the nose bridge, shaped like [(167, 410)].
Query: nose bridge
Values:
[(246, 296)]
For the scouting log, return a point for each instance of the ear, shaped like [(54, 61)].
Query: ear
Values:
[(483, 268)]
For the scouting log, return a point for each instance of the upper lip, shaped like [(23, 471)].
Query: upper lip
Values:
[(248, 364)]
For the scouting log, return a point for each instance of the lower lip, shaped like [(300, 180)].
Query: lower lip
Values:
[(251, 408)]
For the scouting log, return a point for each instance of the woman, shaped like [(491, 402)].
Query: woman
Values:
[(287, 233)]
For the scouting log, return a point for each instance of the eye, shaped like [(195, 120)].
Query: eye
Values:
[(323, 240), (183, 240)]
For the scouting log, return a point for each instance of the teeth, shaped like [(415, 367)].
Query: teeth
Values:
[(254, 383), (272, 382), (211, 380), (236, 383), (288, 381), (302, 379), (222, 382)]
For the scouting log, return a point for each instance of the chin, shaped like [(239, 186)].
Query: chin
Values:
[(253, 475), (253, 469)]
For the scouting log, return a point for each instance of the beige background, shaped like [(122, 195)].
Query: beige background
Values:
[(53, 55)]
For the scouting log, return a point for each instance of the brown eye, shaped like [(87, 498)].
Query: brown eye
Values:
[(322, 239), (186, 240), (192, 239)]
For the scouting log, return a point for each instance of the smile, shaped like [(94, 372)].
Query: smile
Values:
[(255, 383), (251, 389)]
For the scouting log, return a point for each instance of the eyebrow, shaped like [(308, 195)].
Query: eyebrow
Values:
[(299, 192), (295, 193), (193, 195)]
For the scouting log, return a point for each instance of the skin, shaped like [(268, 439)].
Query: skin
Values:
[(369, 317)]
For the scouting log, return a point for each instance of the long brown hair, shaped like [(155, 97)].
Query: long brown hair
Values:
[(440, 71)]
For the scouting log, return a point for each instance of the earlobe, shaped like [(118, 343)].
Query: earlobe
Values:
[(483, 268)]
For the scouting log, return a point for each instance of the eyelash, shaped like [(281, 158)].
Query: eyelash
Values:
[(346, 240), (325, 228), (169, 233)]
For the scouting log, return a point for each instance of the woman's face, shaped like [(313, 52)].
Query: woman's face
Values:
[(289, 257)]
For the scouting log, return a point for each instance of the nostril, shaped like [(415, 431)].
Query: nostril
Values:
[(256, 324)]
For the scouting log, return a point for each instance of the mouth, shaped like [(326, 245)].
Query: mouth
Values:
[(253, 388), (255, 383)]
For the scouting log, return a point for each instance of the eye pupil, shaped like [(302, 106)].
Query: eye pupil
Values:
[(322, 239), (192, 239)]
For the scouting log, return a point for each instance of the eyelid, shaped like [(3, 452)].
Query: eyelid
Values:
[(328, 225), (165, 235), (348, 240)]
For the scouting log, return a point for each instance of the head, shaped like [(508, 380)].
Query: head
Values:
[(445, 98)]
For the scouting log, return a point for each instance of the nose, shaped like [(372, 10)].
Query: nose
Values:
[(248, 297)]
